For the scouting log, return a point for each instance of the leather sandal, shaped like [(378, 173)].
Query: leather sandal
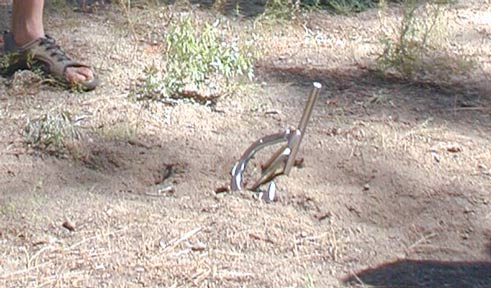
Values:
[(49, 56)]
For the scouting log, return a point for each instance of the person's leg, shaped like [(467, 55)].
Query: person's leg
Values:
[(27, 20), (27, 25)]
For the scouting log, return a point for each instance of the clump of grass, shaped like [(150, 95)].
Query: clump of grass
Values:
[(308, 281), (418, 46), (199, 63), (53, 132), (281, 9), (5, 62)]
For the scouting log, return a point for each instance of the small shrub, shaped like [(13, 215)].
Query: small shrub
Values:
[(52, 132), (281, 9), (198, 63), (418, 47)]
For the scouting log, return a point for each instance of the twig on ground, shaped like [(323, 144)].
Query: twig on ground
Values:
[(234, 275), (31, 259), (61, 276), (303, 257), (311, 238), (358, 279), (92, 238), (258, 237), (421, 240), (176, 241), (18, 272), (200, 276)]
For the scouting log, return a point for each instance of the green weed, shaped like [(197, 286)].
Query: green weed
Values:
[(199, 63), (281, 9), (417, 47), (308, 281), (8, 209), (52, 132)]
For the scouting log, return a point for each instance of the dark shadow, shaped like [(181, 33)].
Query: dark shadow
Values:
[(417, 97), (414, 273), (343, 79), (427, 273), (124, 165), (244, 8), (255, 8), (352, 86)]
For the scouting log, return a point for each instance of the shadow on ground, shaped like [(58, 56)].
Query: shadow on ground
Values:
[(448, 102), (426, 273), (417, 273), (111, 165), (244, 8)]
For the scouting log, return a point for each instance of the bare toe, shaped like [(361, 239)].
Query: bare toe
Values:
[(78, 74)]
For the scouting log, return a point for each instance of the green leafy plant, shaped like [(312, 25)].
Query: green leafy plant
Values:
[(308, 281), (199, 63), (418, 46), (5, 62), (281, 9)]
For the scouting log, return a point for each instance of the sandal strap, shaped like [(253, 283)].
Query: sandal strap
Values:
[(45, 50), (54, 49)]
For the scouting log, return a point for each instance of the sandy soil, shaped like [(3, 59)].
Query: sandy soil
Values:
[(394, 190)]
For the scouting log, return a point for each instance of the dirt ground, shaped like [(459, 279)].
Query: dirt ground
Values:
[(395, 190)]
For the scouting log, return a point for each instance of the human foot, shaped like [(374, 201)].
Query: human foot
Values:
[(53, 60)]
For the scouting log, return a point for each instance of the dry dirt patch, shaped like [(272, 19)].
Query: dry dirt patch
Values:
[(394, 190)]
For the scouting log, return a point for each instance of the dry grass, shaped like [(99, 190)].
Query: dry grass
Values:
[(116, 245), (367, 195)]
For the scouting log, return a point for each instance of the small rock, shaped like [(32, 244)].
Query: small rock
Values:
[(366, 187), (436, 156), (198, 246), (222, 189), (453, 147), (272, 112), (43, 240), (69, 225), (109, 212), (323, 216), (168, 191)]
